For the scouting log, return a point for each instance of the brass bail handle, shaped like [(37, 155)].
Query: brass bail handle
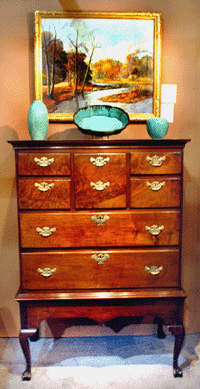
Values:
[(156, 161), (99, 161), (153, 270), (45, 231), (154, 230), (43, 161), (46, 272), (155, 185), (99, 185), (44, 186)]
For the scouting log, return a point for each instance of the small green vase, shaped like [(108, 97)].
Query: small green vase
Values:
[(157, 127), (38, 120)]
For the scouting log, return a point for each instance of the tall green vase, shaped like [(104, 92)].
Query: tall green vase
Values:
[(38, 120)]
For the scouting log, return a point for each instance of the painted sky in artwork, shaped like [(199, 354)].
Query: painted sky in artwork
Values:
[(114, 38)]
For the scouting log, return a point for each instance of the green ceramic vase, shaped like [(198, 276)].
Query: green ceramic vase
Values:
[(157, 127), (38, 120)]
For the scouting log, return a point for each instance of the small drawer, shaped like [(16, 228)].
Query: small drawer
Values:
[(155, 192), (100, 269), (42, 193), (156, 162), (68, 229), (43, 164), (100, 181)]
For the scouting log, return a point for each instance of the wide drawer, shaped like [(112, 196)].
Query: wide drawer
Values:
[(37, 193), (43, 163), (100, 269), (156, 162), (100, 181), (81, 229), (155, 192)]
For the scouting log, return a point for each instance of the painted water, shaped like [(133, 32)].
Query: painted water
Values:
[(93, 98)]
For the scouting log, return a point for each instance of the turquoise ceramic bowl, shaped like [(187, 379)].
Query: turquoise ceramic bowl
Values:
[(101, 120), (157, 127)]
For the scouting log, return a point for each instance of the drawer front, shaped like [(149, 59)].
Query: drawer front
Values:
[(156, 162), (43, 164), (37, 193), (99, 229), (100, 181), (155, 192), (101, 269)]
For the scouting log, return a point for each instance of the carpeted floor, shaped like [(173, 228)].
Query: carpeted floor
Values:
[(110, 362)]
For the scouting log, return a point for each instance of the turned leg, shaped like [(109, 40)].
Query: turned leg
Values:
[(179, 332), (23, 338), (160, 332)]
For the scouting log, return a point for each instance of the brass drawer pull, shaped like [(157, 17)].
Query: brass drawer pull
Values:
[(154, 230), (45, 231), (100, 219), (155, 186), (153, 270), (99, 161), (44, 161), (99, 185), (44, 186), (46, 272), (155, 160), (100, 258)]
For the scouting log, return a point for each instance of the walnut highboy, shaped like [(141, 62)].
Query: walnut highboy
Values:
[(100, 233)]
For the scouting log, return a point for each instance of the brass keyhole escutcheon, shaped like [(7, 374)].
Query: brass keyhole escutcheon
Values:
[(100, 258), (100, 220)]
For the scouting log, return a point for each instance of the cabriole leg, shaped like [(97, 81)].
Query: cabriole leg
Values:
[(179, 332), (23, 338)]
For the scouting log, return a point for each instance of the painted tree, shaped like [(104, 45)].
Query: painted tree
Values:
[(138, 64), (107, 69), (76, 68), (82, 43), (91, 42), (54, 60)]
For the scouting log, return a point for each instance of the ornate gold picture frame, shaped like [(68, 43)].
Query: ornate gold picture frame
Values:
[(89, 58)]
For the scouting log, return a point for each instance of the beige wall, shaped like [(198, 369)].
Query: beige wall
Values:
[(180, 65)]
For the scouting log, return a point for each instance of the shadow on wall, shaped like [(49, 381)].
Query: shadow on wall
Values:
[(73, 5), (68, 134), (6, 323), (190, 251), (9, 264), (58, 326)]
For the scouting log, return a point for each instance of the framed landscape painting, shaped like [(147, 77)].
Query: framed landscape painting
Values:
[(91, 58)]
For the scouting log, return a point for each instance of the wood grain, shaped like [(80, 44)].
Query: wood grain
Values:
[(171, 165), (114, 172), (57, 197), (142, 196), (28, 166), (79, 270), (78, 230)]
